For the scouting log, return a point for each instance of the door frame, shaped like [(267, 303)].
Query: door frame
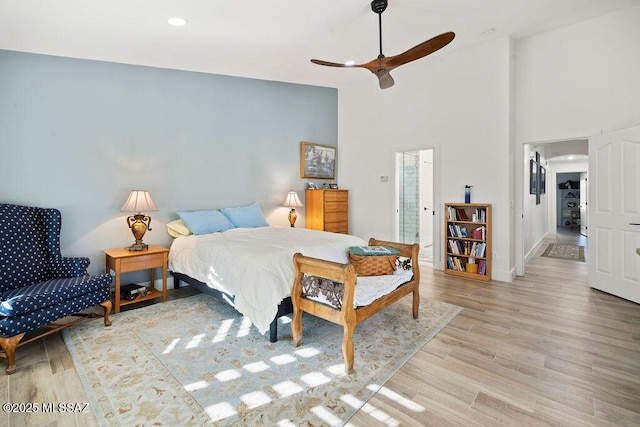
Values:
[(421, 197), (437, 217), (520, 172)]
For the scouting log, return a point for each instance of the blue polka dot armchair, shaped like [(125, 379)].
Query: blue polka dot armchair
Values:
[(37, 284)]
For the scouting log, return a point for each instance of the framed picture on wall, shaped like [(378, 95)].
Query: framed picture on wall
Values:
[(543, 179), (317, 161), (533, 177)]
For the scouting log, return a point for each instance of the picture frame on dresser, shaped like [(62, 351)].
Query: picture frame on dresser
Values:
[(317, 161)]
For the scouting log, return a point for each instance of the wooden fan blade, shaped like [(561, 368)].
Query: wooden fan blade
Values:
[(421, 50), (329, 64)]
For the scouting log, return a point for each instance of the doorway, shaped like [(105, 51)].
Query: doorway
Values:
[(415, 201), (569, 202), (561, 157)]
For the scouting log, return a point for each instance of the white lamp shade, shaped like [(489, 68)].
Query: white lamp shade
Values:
[(139, 201), (292, 200)]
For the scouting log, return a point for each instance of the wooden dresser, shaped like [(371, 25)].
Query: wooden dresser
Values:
[(327, 210)]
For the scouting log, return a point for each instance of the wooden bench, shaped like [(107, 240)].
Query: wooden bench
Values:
[(347, 315)]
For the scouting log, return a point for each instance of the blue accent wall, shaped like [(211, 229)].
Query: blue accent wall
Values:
[(78, 135)]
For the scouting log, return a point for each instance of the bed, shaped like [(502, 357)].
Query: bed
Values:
[(252, 268)]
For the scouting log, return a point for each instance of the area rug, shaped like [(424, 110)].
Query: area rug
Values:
[(564, 251), (196, 361)]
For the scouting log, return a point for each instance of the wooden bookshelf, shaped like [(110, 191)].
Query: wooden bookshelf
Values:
[(467, 228)]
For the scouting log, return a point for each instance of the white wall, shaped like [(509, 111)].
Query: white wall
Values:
[(457, 103), (579, 80)]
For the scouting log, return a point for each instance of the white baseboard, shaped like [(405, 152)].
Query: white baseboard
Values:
[(535, 248), (502, 275)]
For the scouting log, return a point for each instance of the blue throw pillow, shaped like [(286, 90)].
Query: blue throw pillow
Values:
[(249, 216), (205, 222)]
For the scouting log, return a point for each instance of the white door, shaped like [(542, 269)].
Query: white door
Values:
[(584, 201), (614, 213), (426, 198)]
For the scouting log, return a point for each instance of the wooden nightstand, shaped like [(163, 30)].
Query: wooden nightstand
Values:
[(121, 260)]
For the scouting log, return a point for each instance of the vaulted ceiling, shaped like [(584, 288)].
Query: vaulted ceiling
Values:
[(272, 40)]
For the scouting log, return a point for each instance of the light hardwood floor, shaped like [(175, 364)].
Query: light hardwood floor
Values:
[(543, 350)]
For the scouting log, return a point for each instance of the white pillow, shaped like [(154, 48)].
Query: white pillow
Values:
[(178, 228)]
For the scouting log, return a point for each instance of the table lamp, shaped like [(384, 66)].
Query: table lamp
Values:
[(292, 202), (139, 223)]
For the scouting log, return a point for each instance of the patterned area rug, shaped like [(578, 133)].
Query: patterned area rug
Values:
[(196, 361), (564, 251)]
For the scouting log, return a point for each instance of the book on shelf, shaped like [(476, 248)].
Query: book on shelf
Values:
[(454, 263), (479, 215), (457, 231), (479, 233), (461, 214), (478, 249), (482, 267), (451, 212), (132, 291)]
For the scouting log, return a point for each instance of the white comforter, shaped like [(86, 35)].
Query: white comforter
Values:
[(255, 264)]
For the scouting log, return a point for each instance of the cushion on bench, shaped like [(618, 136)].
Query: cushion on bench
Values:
[(367, 290)]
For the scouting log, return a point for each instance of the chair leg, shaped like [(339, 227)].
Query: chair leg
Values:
[(416, 303), (9, 346), (347, 347), (107, 309), (296, 327)]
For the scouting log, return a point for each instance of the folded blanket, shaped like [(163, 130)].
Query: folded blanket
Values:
[(373, 250)]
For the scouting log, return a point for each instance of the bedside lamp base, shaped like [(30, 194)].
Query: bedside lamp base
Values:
[(292, 217), (138, 247)]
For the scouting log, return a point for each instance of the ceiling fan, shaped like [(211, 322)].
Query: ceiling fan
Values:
[(382, 65)]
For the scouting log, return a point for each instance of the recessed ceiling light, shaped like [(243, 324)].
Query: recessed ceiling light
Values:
[(570, 157), (176, 21)]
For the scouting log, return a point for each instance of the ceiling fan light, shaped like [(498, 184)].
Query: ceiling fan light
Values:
[(177, 21), (350, 63)]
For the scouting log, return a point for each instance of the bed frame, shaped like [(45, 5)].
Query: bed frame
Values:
[(284, 308)]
